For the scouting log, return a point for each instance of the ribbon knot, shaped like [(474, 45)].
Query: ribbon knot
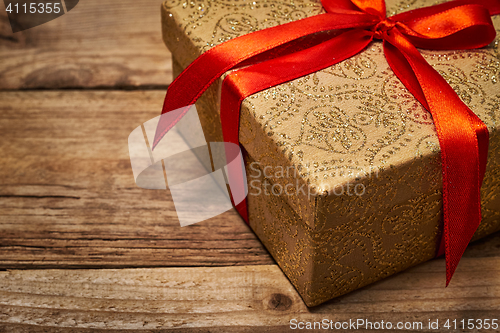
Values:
[(458, 24), (382, 27)]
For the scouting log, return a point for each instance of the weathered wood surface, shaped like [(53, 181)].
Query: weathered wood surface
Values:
[(228, 299), (114, 44), (68, 197), (68, 200)]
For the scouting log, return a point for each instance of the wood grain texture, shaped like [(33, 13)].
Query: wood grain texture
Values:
[(68, 200), (68, 197), (226, 299), (114, 44)]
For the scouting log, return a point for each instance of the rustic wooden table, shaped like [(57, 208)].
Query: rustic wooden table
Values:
[(82, 248)]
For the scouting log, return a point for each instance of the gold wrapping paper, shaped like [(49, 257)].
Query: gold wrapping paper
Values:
[(343, 165)]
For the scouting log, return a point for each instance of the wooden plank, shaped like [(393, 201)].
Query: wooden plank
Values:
[(68, 197), (244, 298), (97, 44)]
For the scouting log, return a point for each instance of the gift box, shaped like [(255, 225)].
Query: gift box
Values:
[(343, 165)]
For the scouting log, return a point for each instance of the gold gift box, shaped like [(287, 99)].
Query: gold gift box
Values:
[(343, 165)]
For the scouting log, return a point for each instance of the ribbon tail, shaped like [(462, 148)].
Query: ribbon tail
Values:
[(463, 138), (249, 80)]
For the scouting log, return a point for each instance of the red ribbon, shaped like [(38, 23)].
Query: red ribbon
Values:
[(286, 52)]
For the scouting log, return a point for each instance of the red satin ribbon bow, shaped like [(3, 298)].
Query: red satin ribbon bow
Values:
[(286, 52)]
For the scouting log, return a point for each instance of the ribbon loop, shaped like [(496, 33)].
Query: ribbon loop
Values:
[(373, 7), (461, 27)]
